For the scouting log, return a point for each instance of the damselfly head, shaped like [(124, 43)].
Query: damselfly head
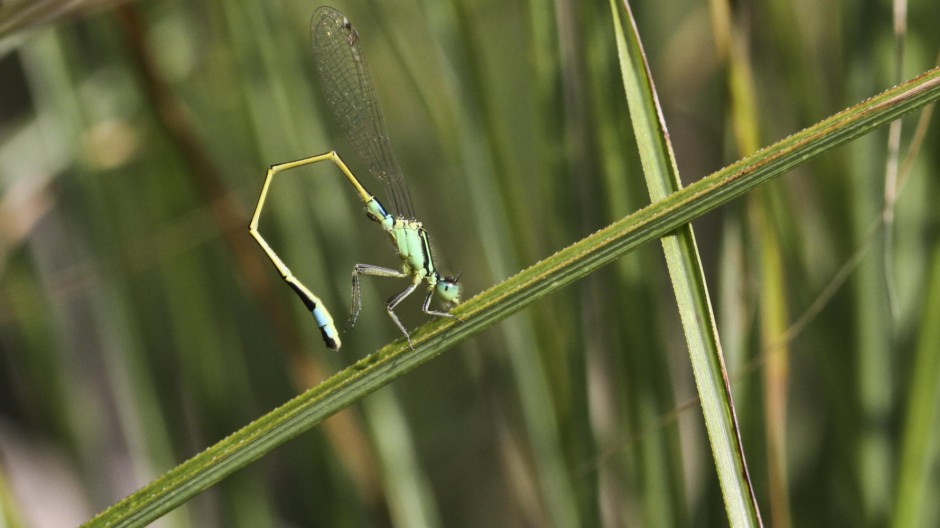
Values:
[(448, 289)]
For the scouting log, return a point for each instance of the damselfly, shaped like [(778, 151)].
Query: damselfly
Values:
[(347, 85)]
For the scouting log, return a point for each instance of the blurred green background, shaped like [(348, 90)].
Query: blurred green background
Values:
[(139, 323)]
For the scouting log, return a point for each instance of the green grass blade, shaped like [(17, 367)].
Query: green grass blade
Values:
[(918, 448), (510, 296), (772, 301), (687, 277)]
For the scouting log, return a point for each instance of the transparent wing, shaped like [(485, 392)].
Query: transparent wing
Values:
[(347, 85)]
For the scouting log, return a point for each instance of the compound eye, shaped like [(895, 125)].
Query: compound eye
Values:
[(448, 290)]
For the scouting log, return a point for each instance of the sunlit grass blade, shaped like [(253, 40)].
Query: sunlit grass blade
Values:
[(770, 264), (687, 277), (920, 422)]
